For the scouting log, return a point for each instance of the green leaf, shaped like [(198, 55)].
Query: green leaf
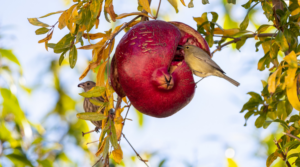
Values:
[(263, 28), (94, 92), (49, 14), (266, 124), (272, 157), (209, 39), (64, 44), (106, 147), (51, 45), (113, 137), (214, 16), (274, 51), (174, 4), (45, 163), (231, 1), (73, 56), (240, 43), (260, 121), (92, 116), (291, 145), (281, 113), (244, 24), (268, 10), (161, 164), (247, 116), (264, 62), (19, 159), (36, 22), (293, 155), (9, 55), (204, 2), (61, 58), (191, 4), (247, 5), (96, 102), (42, 30), (282, 42), (294, 118), (95, 8)]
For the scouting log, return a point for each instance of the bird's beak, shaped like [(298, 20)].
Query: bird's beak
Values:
[(179, 47), (80, 85)]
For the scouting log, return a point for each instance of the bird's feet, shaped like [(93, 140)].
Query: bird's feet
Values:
[(97, 129)]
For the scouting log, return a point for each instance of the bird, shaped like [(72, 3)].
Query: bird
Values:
[(202, 65), (90, 107)]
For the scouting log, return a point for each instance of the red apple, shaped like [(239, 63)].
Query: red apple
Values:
[(149, 69)]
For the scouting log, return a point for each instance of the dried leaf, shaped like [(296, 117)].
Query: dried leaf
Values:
[(174, 4), (182, 1), (227, 32), (47, 38), (111, 12), (101, 149), (94, 36), (85, 72)]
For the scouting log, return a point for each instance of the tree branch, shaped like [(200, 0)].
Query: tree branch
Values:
[(135, 151), (283, 155), (295, 137), (238, 39), (125, 120)]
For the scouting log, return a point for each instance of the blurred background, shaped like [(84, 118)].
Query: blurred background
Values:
[(39, 99)]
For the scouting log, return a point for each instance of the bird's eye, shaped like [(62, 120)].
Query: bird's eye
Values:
[(187, 47), (88, 83)]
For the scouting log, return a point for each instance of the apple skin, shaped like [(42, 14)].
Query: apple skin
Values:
[(144, 68)]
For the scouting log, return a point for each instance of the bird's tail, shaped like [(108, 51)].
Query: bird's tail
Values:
[(231, 80)]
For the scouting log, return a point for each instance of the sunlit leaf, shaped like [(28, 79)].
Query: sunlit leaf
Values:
[(62, 20), (96, 102), (9, 55), (47, 38), (281, 41), (204, 2), (92, 116), (182, 1), (145, 5), (231, 163), (100, 74), (117, 155), (94, 36), (191, 4), (244, 24), (123, 15), (96, 91), (36, 22), (63, 44)]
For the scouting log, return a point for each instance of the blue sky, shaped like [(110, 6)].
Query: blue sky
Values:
[(200, 133)]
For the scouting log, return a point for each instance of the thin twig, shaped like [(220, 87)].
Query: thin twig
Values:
[(125, 120), (295, 137), (92, 142), (108, 73), (157, 9), (238, 39), (100, 159), (84, 133), (283, 155), (135, 151), (119, 102)]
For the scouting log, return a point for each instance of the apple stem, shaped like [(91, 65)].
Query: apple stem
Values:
[(135, 151)]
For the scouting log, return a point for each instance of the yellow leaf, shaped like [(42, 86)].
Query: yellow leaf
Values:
[(227, 32), (75, 12), (201, 20), (125, 100), (84, 73), (182, 1), (265, 45), (119, 122), (123, 15), (36, 22), (273, 82), (100, 74), (62, 20), (117, 155), (291, 59), (108, 49), (68, 17), (134, 23), (101, 149), (231, 163), (87, 47), (145, 5), (47, 38), (94, 36), (291, 93), (256, 37)]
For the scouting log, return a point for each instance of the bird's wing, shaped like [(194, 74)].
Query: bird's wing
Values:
[(203, 56)]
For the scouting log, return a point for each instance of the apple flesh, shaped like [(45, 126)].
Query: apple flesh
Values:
[(149, 69)]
